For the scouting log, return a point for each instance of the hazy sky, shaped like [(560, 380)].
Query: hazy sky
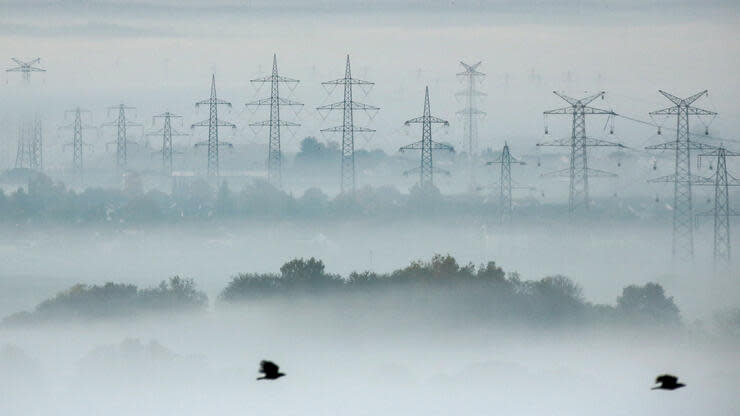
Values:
[(158, 55)]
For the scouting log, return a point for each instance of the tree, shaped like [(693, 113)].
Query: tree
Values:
[(648, 303)]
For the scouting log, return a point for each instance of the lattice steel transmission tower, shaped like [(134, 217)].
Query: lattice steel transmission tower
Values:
[(122, 123), (578, 171), (471, 115), (348, 129), (166, 132), (77, 142), (683, 216), (274, 155), (426, 145), (505, 160), (213, 123), (26, 68), (721, 180), (30, 151)]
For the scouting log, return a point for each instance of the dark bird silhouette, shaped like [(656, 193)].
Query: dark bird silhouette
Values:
[(270, 370), (667, 382)]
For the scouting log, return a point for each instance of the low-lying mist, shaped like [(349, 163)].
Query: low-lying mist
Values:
[(425, 338)]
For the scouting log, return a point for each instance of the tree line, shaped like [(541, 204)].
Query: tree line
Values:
[(439, 288)]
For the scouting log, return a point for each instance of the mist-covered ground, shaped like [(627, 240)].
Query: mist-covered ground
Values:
[(343, 361)]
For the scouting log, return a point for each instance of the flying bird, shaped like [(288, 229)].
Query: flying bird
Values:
[(667, 382), (270, 370)]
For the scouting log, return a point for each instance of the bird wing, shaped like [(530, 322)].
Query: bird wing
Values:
[(268, 367), (666, 379)]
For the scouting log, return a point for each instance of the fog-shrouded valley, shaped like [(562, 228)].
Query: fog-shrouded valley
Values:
[(384, 199)]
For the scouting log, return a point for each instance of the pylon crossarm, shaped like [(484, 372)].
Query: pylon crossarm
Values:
[(354, 105), (205, 143), (569, 100), (594, 110), (603, 143), (557, 143), (206, 123), (673, 145), (271, 78), (412, 146), (267, 123), (695, 97), (596, 173), (564, 110), (563, 173), (263, 101), (715, 152), (667, 178), (672, 98), (585, 101), (429, 119), (353, 81), (471, 69), (210, 101), (442, 146), (349, 128), (696, 111)]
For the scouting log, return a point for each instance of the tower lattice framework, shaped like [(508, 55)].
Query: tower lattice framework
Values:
[(683, 215), (578, 171), (166, 132), (348, 128), (122, 123), (274, 155), (471, 113), (78, 144), (427, 146), (721, 181), (505, 186), (213, 123)]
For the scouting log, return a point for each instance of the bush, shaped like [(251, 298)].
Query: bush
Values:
[(116, 300), (649, 304)]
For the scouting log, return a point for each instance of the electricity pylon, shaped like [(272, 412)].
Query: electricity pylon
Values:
[(23, 150), (77, 142), (348, 129), (683, 226), (471, 114), (505, 160), (166, 132), (26, 68), (721, 180), (426, 145), (274, 155), (30, 145), (578, 171), (122, 123), (213, 123)]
